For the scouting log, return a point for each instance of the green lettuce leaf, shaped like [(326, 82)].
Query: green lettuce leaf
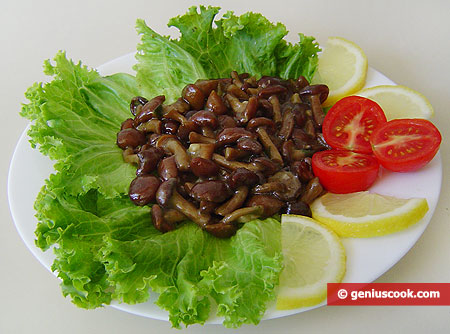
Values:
[(106, 247), (76, 118), (298, 59), (244, 274), (248, 43), (188, 266), (163, 67), (77, 226)]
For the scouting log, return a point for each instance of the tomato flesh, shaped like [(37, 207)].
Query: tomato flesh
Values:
[(350, 122), (405, 145), (344, 172)]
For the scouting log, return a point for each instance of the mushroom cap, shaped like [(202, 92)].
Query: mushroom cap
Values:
[(165, 192), (194, 96), (204, 167), (130, 137), (150, 110), (263, 122), (205, 118), (231, 135), (270, 204), (321, 90), (215, 191), (143, 189)]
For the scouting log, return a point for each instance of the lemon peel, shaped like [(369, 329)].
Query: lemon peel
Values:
[(313, 256), (342, 67), (399, 101), (364, 214)]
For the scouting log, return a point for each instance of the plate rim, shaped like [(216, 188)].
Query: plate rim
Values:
[(108, 68)]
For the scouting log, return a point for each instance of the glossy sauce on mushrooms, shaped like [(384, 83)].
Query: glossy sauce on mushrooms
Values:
[(227, 151)]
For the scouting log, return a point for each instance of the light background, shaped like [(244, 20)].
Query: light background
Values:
[(406, 40)]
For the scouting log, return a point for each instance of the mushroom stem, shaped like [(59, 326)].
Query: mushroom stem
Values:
[(195, 137), (172, 145), (232, 153), (201, 150), (276, 108), (269, 187), (237, 106), (317, 110), (237, 92), (234, 203), (129, 156), (233, 165), (188, 209), (176, 116), (153, 125), (270, 147), (243, 215)]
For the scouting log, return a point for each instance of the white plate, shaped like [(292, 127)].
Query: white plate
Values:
[(367, 259)]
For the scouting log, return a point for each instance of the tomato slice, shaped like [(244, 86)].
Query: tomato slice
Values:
[(345, 171), (350, 122), (404, 145)]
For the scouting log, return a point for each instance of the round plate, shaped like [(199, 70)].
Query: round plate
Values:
[(367, 259)]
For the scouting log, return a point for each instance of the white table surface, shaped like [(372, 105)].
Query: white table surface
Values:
[(406, 40)]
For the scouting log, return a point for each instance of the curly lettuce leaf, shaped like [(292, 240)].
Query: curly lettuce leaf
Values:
[(76, 118), (248, 43), (298, 59), (106, 247), (244, 275), (163, 67), (77, 226), (188, 266)]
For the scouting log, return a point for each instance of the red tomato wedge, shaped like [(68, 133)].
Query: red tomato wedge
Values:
[(344, 172), (404, 145), (350, 122)]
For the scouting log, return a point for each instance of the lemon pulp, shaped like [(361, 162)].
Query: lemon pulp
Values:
[(342, 67), (313, 256), (399, 101), (365, 214)]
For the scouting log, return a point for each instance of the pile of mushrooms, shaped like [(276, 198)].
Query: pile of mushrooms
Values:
[(228, 151)]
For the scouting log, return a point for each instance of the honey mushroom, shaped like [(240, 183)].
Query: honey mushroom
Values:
[(227, 151)]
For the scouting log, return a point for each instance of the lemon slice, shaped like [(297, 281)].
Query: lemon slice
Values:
[(342, 67), (399, 101), (364, 214), (313, 256)]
